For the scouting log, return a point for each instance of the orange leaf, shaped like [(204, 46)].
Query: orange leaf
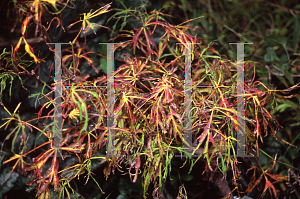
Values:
[(25, 24), (17, 48), (41, 160), (29, 50), (54, 172), (19, 158), (15, 53), (271, 188)]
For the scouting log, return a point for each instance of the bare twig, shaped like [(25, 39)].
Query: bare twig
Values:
[(30, 41)]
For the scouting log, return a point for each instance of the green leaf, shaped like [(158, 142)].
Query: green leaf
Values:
[(174, 180), (283, 58), (187, 177), (287, 74), (283, 81), (270, 55), (35, 98), (103, 65), (3, 53), (285, 160), (3, 78), (231, 54), (2, 157), (274, 40), (165, 55), (296, 33), (282, 107), (123, 25)]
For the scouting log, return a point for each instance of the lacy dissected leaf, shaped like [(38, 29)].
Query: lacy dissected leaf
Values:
[(74, 113), (86, 24)]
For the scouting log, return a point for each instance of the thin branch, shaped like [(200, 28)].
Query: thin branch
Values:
[(30, 41)]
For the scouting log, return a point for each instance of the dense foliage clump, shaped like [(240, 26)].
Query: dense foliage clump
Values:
[(149, 98)]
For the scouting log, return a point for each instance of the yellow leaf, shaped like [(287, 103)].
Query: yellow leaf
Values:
[(53, 2), (17, 107), (7, 110), (29, 50), (74, 113)]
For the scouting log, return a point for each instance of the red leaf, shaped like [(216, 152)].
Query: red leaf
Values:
[(205, 132), (271, 188), (137, 167), (223, 101)]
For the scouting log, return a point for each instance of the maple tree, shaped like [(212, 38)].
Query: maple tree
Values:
[(149, 108)]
